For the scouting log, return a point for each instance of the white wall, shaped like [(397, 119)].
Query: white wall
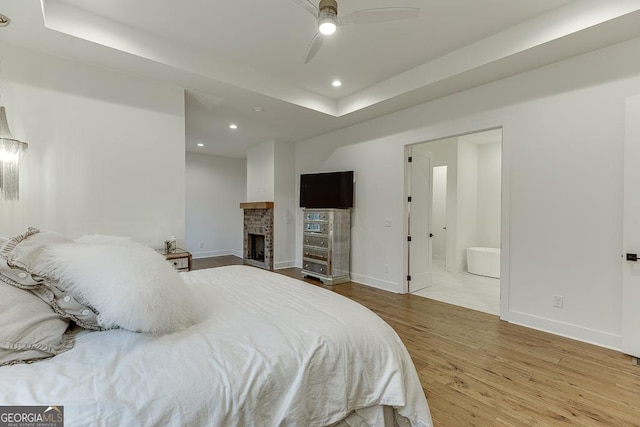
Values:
[(467, 233), (261, 172), (106, 150), (489, 194), (271, 178), (284, 225), (215, 188), (563, 130), (378, 194)]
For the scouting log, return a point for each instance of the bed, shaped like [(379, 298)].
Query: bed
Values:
[(268, 350)]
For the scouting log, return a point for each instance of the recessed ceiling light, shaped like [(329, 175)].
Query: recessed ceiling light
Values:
[(4, 20), (233, 126), (336, 83), (258, 109), (200, 144)]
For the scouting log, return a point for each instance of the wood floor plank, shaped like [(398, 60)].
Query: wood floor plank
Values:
[(477, 370)]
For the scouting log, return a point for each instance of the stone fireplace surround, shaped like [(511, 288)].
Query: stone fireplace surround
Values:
[(258, 224)]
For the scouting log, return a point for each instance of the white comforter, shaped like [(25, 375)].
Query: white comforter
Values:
[(273, 351)]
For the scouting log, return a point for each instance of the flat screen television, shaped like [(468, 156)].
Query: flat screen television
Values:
[(326, 190)]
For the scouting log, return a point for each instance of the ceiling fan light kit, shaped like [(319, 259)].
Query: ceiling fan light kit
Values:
[(327, 17), (326, 14)]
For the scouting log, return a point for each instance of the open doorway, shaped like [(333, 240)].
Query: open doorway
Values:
[(464, 220)]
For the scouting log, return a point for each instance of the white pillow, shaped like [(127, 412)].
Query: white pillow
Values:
[(129, 284)]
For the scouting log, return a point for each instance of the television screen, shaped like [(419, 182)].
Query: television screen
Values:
[(326, 190)]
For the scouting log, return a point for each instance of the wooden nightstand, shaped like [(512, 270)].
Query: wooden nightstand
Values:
[(180, 259)]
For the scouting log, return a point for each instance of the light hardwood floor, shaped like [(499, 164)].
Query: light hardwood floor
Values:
[(479, 371)]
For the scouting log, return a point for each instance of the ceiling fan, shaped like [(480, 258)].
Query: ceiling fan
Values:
[(326, 14)]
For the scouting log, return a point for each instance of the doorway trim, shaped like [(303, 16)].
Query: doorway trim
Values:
[(505, 219)]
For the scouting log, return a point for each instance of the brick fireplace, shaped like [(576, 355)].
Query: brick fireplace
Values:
[(258, 234)]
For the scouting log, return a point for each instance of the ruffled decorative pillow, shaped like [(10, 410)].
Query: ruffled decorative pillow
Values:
[(30, 330), (23, 265)]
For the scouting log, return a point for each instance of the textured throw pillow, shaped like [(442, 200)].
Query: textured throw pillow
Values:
[(129, 284), (23, 265), (30, 330)]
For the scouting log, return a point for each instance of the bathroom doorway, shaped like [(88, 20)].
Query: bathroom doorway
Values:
[(465, 219)]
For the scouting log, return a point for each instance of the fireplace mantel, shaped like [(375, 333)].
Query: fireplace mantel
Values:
[(256, 205)]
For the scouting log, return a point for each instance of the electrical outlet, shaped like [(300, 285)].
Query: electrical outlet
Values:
[(201, 245), (387, 222), (558, 301), (386, 268)]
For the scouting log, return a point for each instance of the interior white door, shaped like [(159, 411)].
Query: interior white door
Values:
[(631, 231), (419, 223), (439, 212)]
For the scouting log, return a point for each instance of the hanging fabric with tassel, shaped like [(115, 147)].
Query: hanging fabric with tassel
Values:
[(10, 152)]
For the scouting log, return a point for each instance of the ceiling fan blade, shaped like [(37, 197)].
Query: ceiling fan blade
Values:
[(308, 6), (314, 47), (383, 14)]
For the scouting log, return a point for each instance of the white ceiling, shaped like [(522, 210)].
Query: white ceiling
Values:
[(233, 55)]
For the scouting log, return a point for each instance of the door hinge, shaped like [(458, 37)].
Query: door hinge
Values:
[(409, 199), (408, 278), (408, 238), (410, 159)]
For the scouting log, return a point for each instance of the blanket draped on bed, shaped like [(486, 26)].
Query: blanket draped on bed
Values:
[(271, 351)]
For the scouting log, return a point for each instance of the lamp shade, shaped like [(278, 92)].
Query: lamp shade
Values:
[(10, 151), (5, 133), (10, 148)]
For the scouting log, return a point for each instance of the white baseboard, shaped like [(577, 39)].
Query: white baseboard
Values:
[(568, 330), (211, 254), (375, 283), (283, 264)]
